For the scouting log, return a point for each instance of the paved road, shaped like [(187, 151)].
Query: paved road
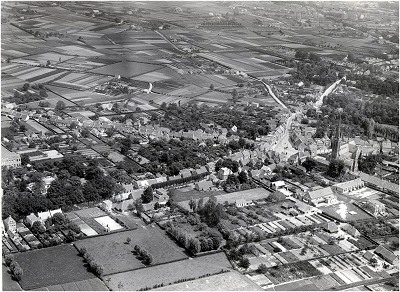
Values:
[(328, 91), (284, 145)]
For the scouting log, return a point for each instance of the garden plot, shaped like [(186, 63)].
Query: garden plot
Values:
[(320, 267)]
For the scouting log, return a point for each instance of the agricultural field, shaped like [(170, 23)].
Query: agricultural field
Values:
[(94, 284), (126, 69), (66, 267), (169, 273), (115, 255), (232, 281)]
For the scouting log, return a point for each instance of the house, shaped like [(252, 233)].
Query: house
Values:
[(122, 197), (320, 196), (276, 185), (204, 185), (381, 184), (201, 170), (386, 254), (125, 205), (331, 227), (351, 230), (224, 172), (162, 196), (52, 212), (32, 218), (141, 184), (368, 255), (186, 173), (10, 224), (107, 205), (242, 203), (378, 207), (348, 186)]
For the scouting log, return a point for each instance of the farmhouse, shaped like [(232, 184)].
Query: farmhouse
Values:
[(348, 186), (321, 196)]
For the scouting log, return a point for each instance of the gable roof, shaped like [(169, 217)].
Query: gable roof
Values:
[(385, 253), (321, 193)]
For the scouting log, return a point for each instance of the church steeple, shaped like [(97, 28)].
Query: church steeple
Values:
[(336, 138)]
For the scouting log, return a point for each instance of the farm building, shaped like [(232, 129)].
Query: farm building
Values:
[(378, 207), (386, 254), (351, 230), (331, 227), (204, 185)]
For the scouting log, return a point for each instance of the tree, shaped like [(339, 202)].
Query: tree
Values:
[(128, 240), (262, 269), (244, 263), (192, 204), (147, 195), (335, 168), (212, 87), (17, 273), (243, 177), (60, 105), (9, 259), (25, 87)]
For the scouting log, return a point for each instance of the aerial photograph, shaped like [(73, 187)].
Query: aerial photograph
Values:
[(200, 145)]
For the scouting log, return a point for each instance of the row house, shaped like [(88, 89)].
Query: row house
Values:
[(348, 186)]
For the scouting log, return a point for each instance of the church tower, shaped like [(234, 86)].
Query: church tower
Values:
[(336, 138)]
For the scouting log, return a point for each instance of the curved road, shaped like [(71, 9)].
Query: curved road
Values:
[(328, 91)]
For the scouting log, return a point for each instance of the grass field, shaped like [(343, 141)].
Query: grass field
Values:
[(232, 281), (184, 195), (116, 256), (94, 284), (169, 273), (8, 283), (51, 266)]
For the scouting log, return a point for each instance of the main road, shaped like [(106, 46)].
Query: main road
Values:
[(328, 91)]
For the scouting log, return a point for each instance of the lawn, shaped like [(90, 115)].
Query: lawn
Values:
[(169, 273), (185, 195), (115, 255), (52, 266)]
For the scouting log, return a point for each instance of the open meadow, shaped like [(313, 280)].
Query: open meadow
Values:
[(115, 255), (169, 273)]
